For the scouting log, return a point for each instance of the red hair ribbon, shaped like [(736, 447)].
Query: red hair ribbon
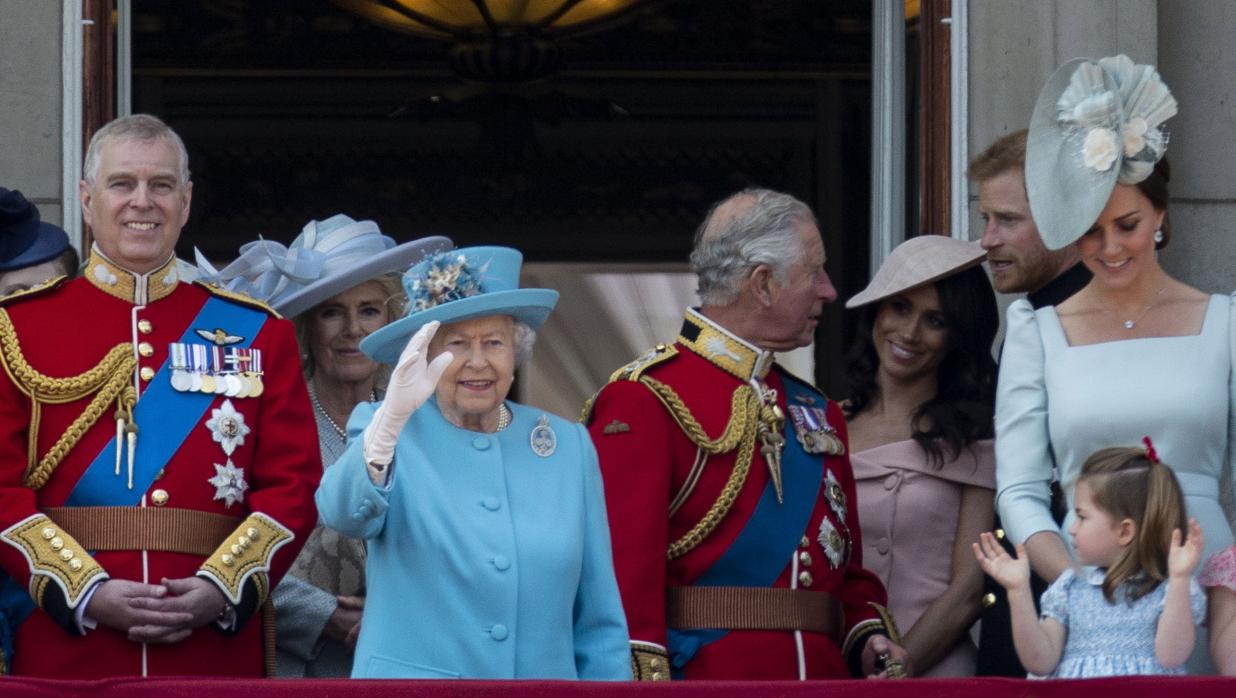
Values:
[(1151, 454)]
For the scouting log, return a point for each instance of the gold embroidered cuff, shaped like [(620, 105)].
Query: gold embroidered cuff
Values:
[(246, 554), (649, 662), (53, 554), (860, 632)]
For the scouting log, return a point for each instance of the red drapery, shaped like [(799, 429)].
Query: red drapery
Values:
[(1183, 687)]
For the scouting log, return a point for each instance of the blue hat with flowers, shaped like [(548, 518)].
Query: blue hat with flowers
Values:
[(24, 239), (461, 284), (1096, 123), (326, 259)]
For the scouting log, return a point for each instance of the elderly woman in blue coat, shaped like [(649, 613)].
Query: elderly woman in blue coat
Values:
[(489, 553)]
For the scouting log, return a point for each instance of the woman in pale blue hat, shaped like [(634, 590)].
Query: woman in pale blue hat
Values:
[(1135, 352), (488, 543), (339, 282)]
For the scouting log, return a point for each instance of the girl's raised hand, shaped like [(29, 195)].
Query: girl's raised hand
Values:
[(1009, 572), (1183, 558)]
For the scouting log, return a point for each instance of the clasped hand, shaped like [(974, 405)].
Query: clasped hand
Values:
[(163, 613)]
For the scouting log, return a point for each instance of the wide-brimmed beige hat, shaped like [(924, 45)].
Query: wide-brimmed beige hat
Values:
[(916, 262)]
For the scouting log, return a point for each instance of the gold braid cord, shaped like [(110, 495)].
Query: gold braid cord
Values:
[(740, 433), (109, 381)]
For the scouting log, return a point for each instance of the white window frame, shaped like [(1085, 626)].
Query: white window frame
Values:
[(888, 126)]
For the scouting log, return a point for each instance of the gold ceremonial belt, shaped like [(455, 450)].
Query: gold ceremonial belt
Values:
[(748, 608), (144, 528)]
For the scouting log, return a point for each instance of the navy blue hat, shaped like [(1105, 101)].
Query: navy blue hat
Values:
[(24, 239)]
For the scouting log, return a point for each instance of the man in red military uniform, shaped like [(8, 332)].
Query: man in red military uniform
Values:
[(729, 491), (157, 449)]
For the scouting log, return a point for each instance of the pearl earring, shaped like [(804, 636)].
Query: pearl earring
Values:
[(1158, 236)]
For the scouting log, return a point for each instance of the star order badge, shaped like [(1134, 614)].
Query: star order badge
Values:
[(227, 427), (833, 543), (835, 495), (543, 439), (229, 482)]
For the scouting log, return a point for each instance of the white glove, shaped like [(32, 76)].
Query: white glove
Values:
[(412, 382)]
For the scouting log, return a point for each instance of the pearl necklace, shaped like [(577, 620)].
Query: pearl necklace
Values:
[(504, 417), (313, 397)]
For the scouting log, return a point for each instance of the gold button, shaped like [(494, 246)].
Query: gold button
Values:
[(804, 542), (243, 541), (145, 349), (805, 557), (48, 533), (75, 564), (159, 497), (805, 579), (144, 326), (235, 549), (227, 559), (657, 676), (989, 600), (146, 373), (999, 534), (252, 533), (66, 555), (57, 543)]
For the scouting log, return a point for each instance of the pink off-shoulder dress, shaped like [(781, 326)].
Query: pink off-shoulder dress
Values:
[(908, 509)]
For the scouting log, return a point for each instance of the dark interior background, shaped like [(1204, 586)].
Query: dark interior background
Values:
[(298, 109)]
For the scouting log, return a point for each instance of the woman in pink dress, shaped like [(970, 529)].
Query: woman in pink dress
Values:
[(922, 386)]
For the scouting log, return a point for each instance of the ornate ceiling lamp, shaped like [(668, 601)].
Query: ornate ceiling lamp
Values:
[(496, 40)]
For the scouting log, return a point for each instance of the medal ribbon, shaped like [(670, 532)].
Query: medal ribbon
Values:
[(164, 416)]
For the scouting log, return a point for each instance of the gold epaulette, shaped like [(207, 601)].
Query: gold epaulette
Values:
[(632, 371), (35, 290), (53, 556), (245, 555), (237, 296), (657, 355), (109, 381)]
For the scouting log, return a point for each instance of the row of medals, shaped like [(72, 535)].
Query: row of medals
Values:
[(219, 381)]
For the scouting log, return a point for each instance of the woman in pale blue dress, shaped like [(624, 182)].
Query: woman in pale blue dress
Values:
[(1135, 352)]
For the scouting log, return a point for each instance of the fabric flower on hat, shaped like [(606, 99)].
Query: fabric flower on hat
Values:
[(1099, 149), (1134, 136), (448, 278), (1120, 106)]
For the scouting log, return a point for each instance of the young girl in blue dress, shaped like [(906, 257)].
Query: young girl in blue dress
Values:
[(1134, 607)]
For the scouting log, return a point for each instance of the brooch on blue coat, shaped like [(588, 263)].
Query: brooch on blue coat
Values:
[(543, 439)]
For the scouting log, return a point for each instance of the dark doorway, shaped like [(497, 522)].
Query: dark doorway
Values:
[(298, 109)]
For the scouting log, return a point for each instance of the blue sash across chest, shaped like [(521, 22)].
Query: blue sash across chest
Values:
[(770, 537), (164, 416)]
